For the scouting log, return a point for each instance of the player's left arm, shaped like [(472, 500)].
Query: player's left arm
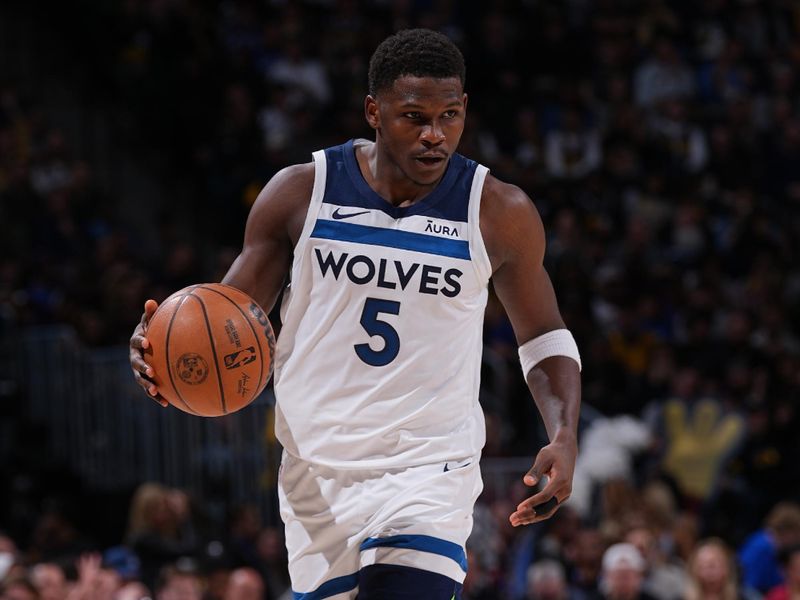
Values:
[(514, 237)]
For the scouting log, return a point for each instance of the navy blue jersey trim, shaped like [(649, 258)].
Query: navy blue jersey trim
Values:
[(423, 543), (390, 238), (338, 585), (345, 186)]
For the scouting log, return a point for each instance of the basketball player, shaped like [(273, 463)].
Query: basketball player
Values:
[(390, 246)]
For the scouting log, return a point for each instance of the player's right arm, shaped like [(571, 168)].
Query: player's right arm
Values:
[(273, 228)]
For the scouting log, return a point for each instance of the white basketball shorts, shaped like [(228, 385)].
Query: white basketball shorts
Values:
[(339, 521)]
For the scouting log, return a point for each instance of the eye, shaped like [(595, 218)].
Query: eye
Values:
[(451, 114), (413, 115)]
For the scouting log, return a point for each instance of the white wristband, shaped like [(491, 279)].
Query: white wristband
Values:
[(553, 343)]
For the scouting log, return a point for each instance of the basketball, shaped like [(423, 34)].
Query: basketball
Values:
[(211, 347)]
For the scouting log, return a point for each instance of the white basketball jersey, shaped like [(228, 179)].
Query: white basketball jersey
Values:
[(378, 361)]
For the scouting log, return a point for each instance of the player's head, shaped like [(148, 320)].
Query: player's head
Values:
[(416, 101)]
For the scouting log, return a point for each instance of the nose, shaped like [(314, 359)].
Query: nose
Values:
[(432, 135)]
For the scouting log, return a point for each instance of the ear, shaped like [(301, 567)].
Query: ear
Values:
[(465, 102), (371, 112)]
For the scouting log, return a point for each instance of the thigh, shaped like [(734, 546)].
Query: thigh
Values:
[(322, 517), (424, 519), (391, 582)]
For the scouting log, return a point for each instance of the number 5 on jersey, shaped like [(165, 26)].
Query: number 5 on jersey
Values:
[(376, 327)]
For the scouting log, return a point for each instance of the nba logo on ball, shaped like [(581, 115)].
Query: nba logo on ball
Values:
[(240, 357)]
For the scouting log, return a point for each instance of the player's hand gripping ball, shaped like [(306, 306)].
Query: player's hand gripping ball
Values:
[(212, 349)]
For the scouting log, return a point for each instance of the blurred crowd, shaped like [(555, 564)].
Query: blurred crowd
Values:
[(660, 142), (166, 553), (642, 549)]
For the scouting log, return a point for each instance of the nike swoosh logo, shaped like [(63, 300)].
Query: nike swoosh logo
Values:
[(339, 215), (447, 466)]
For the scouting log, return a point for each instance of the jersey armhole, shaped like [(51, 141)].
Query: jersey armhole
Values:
[(317, 194), (477, 249)]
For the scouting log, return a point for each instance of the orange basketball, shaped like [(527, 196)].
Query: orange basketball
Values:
[(211, 347)]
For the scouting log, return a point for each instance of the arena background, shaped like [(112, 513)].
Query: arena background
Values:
[(659, 140)]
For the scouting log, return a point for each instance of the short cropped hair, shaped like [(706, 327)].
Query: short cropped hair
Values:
[(416, 52)]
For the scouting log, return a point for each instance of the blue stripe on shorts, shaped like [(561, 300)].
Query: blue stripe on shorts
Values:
[(423, 543), (330, 588)]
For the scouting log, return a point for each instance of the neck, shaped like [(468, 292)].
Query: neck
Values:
[(387, 179)]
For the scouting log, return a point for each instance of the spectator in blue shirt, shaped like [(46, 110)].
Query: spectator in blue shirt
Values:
[(758, 555)]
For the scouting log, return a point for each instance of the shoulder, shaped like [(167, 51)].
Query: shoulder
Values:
[(499, 198), (756, 541), (294, 180), (282, 204), (508, 220)]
